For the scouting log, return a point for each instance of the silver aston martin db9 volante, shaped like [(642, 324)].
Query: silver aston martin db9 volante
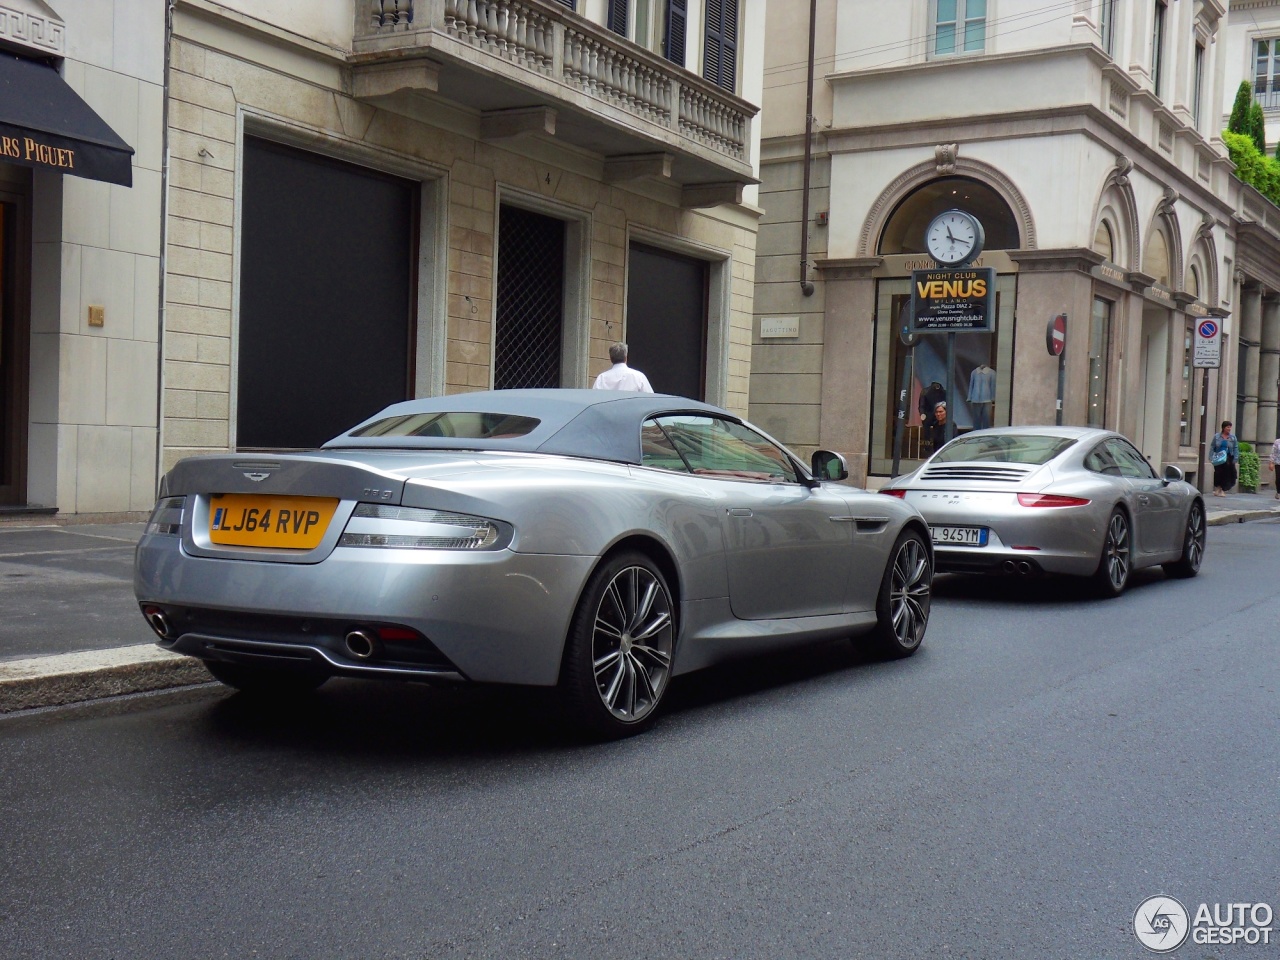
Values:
[(599, 541), (1055, 500)]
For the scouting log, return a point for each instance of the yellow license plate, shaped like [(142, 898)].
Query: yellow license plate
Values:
[(291, 523)]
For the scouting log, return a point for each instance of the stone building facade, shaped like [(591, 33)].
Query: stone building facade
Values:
[(80, 185), (1085, 136), (459, 155)]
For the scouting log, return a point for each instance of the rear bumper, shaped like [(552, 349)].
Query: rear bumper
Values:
[(494, 617), (1065, 540)]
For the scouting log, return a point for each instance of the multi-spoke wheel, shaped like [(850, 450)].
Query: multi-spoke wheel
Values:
[(618, 656), (902, 609), (1113, 570), (1188, 565)]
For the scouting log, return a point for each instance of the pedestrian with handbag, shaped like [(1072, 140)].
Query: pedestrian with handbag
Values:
[(1224, 454)]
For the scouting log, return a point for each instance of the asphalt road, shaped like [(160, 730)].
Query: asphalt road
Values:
[(1044, 764)]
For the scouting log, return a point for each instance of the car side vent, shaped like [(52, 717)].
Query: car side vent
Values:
[(965, 471)]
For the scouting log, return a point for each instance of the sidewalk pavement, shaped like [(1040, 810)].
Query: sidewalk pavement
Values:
[(70, 629)]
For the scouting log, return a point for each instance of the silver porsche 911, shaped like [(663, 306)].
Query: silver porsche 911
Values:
[(1068, 500), (601, 541)]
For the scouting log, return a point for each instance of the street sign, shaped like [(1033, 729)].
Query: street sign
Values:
[(952, 301), (1056, 335), (1207, 351)]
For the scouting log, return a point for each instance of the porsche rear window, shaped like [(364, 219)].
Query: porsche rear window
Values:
[(462, 426), (1005, 448)]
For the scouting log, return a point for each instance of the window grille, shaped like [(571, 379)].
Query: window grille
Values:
[(530, 304)]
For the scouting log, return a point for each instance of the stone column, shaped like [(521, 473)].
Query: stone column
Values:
[(1268, 371), (848, 343), (1250, 340)]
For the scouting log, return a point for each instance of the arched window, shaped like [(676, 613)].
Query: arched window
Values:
[(1104, 242), (904, 233), (1155, 259), (1193, 281)]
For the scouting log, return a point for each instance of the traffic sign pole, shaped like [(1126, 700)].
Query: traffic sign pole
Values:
[(1204, 422), (1206, 354), (1056, 342)]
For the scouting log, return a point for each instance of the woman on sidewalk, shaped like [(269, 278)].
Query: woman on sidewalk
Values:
[(1224, 454), (1275, 458)]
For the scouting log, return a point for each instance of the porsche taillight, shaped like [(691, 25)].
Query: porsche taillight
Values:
[(1049, 500)]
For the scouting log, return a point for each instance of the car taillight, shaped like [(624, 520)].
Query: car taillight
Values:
[(416, 528), (1049, 500), (166, 518), (900, 494)]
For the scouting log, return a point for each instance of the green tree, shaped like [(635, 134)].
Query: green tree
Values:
[(1258, 127), (1240, 109)]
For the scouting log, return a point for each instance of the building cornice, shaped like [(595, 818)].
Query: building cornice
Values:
[(851, 268), (32, 25), (1079, 119), (968, 63), (1063, 259)]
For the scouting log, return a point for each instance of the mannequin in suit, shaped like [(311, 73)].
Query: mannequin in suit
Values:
[(982, 395)]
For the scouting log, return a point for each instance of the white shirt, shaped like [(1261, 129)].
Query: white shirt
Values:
[(622, 377)]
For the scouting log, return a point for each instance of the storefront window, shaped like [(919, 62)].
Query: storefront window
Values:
[(1099, 353), (983, 362)]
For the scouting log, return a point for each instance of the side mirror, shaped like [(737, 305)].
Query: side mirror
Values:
[(827, 465), (1173, 474)]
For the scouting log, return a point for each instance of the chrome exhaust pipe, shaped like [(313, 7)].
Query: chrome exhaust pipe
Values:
[(361, 644), (160, 624), (1024, 568), (1009, 566)]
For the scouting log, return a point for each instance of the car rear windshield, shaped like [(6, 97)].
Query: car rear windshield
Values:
[(463, 426), (1003, 448)]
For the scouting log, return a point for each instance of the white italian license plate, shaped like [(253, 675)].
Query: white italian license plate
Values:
[(960, 536)]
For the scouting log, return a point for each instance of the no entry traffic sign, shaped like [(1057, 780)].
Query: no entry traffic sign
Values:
[(1055, 337), (1207, 352)]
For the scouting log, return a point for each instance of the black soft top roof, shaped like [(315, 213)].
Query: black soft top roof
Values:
[(601, 424)]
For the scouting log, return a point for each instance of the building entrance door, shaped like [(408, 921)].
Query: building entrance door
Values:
[(15, 271), (327, 302), (667, 320)]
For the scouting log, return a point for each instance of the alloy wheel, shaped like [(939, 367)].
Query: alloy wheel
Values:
[(909, 592), (631, 643), (1115, 553), (1195, 538)]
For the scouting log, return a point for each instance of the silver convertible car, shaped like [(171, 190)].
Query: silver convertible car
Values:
[(599, 541), (1068, 500)]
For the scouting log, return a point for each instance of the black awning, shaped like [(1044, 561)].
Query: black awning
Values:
[(45, 124)]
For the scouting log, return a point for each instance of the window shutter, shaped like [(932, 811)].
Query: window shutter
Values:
[(677, 22), (720, 46), (618, 16), (571, 4)]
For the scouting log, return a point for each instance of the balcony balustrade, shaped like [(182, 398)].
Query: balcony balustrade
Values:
[(612, 95)]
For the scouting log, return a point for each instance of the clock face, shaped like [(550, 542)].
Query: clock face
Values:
[(954, 237)]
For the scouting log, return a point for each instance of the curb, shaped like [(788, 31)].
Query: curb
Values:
[(76, 677), (1239, 516)]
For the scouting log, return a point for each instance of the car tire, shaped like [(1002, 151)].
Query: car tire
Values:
[(906, 593), (611, 681), (264, 680), (1116, 563), (1188, 565)]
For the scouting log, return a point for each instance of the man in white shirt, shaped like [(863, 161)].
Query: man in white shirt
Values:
[(620, 376)]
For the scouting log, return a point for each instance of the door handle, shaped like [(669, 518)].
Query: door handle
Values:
[(740, 512)]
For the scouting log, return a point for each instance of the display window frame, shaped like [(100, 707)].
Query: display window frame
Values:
[(929, 364)]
